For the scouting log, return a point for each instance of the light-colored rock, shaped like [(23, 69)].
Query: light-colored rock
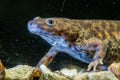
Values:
[(69, 72), (25, 72), (20, 72), (81, 76), (48, 75), (102, 75)]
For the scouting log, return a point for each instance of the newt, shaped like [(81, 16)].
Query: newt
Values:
[(91, 41)]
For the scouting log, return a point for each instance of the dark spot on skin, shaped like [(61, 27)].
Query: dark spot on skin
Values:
[(86, 25), (65, 34), (94, 45), (103, 25), (98, 29)]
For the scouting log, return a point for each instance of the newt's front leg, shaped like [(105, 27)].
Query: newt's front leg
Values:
[(45, 60), (48, 57)]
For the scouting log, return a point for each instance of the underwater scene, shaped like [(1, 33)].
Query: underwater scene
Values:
[(60, 40)]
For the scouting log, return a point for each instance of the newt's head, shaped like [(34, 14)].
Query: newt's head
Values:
[(53, 30)]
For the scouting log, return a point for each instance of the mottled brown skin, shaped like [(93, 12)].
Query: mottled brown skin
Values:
[(105, 30), (100, 38)]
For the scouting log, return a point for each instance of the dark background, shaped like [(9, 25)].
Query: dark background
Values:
[(18, 46)]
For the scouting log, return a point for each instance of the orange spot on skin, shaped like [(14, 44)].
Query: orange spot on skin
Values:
[(107, 34), (100, 35)]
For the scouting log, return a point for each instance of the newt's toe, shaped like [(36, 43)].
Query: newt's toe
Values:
[(94, 64)]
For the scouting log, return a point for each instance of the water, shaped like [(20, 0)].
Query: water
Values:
[(18, 46)]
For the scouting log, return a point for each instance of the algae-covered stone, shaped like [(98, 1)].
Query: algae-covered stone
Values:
[(102, 75), (69, 72), (48, 75), (81, 76), (20, 72), (53, 76)]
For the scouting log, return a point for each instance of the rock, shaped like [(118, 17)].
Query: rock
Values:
[(69, 72), (81, 76), (48, 75), (25, 72), (102, 75), (20, 72)]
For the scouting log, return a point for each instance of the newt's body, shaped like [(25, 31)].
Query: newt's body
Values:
[(90, 41)]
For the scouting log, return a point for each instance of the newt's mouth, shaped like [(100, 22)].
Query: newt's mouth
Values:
[(32, 27), (35, 28)]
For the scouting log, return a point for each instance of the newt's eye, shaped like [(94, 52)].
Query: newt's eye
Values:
[(50, 22)]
